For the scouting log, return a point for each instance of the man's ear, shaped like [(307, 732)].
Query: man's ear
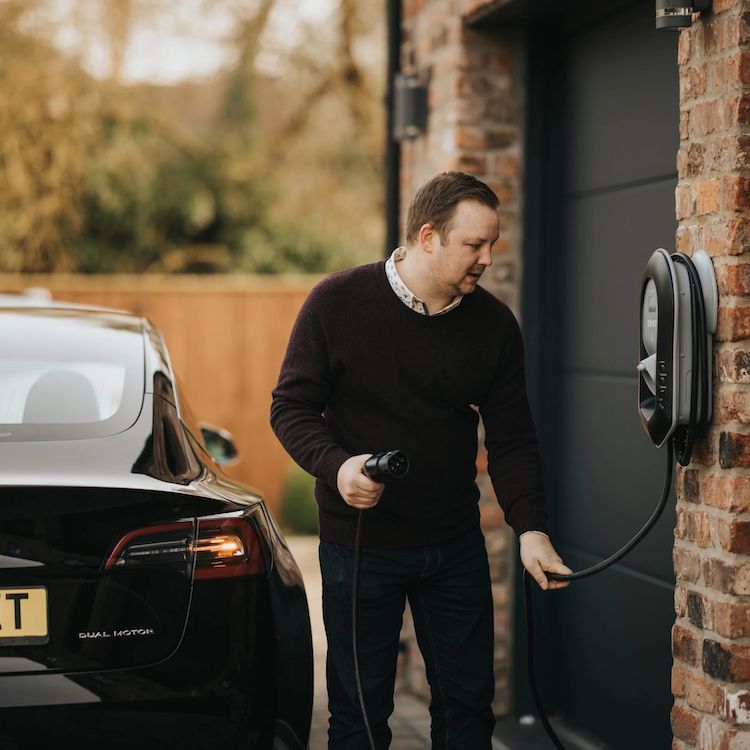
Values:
[(426, 236)]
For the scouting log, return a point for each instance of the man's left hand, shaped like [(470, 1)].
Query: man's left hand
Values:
[(538, 555)]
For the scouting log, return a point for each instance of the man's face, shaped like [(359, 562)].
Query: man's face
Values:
[(457, 265)]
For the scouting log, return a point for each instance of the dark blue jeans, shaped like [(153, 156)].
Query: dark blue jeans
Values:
[(448, 588)]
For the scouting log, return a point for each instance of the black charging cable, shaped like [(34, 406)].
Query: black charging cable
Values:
[(380, 467), (680, 446), (698, 419), (575, 577)]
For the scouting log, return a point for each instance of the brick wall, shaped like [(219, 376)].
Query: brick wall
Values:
[(711, 636), (476, 102)]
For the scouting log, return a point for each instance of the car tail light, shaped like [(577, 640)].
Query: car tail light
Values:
[(153, 545), (223, 547), (227, 547)]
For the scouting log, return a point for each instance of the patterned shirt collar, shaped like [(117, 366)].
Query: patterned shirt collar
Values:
[(404, 293)]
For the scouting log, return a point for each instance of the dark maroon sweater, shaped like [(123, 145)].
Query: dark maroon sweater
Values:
[(365, 373)]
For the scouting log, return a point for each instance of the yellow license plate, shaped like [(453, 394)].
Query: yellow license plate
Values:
[(23, 616)]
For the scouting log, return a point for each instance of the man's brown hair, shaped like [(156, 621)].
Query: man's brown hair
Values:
[(435, 202)]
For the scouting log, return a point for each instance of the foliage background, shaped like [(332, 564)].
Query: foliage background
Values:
[(272, 164)]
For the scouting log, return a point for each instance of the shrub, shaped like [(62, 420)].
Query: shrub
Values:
[(299, 510)]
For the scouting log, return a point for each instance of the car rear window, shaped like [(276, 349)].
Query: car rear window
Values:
[(68, 376)]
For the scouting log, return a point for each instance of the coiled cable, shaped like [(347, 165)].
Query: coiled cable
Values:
[(680, 445)]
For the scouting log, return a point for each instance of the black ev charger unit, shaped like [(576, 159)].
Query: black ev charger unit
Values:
[(674, 382), (380, 467), (679, 310)]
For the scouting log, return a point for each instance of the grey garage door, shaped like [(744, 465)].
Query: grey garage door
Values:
[(604, 131)]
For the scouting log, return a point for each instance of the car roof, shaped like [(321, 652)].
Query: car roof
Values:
[(41, 297), (84, 316)]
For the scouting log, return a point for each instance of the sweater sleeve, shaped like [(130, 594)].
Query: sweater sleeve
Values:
[(514, 463), (305, 383)]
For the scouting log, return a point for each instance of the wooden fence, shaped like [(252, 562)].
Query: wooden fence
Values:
[(226, 335)]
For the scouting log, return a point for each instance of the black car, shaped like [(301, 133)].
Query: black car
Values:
[(146, 600)]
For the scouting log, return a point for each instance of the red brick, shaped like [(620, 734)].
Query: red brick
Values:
[(740, 151), (736, 192), (470, 138), (700, 610), (724, 155), (683, 242), (732, 406), (726, 577), (705, 449), (680, 600), (684, 201), (687, 564), (733, 365), (695, 159), (721, 33), (726, 661), (730, 71), (734, 536), (685, 645), (734, 323), (721, 75), (689, 481), (702, 694), (708, 198), (693, 526), (734, 450), (739, 236), (698, 234), (680, 676), (718, 241), (732, 619), (692, 83), (690, 160), (740, 110), (730, 493), (684, 724), (707, 117), (733, 279)]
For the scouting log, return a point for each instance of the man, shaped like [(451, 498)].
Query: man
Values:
[(402, 355)]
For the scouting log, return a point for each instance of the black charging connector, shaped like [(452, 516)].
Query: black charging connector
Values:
[(386, 465)]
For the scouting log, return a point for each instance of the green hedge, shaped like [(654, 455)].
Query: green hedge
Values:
[(299, 510)]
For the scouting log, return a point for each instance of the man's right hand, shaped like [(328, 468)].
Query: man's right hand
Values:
[(357, 489)]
